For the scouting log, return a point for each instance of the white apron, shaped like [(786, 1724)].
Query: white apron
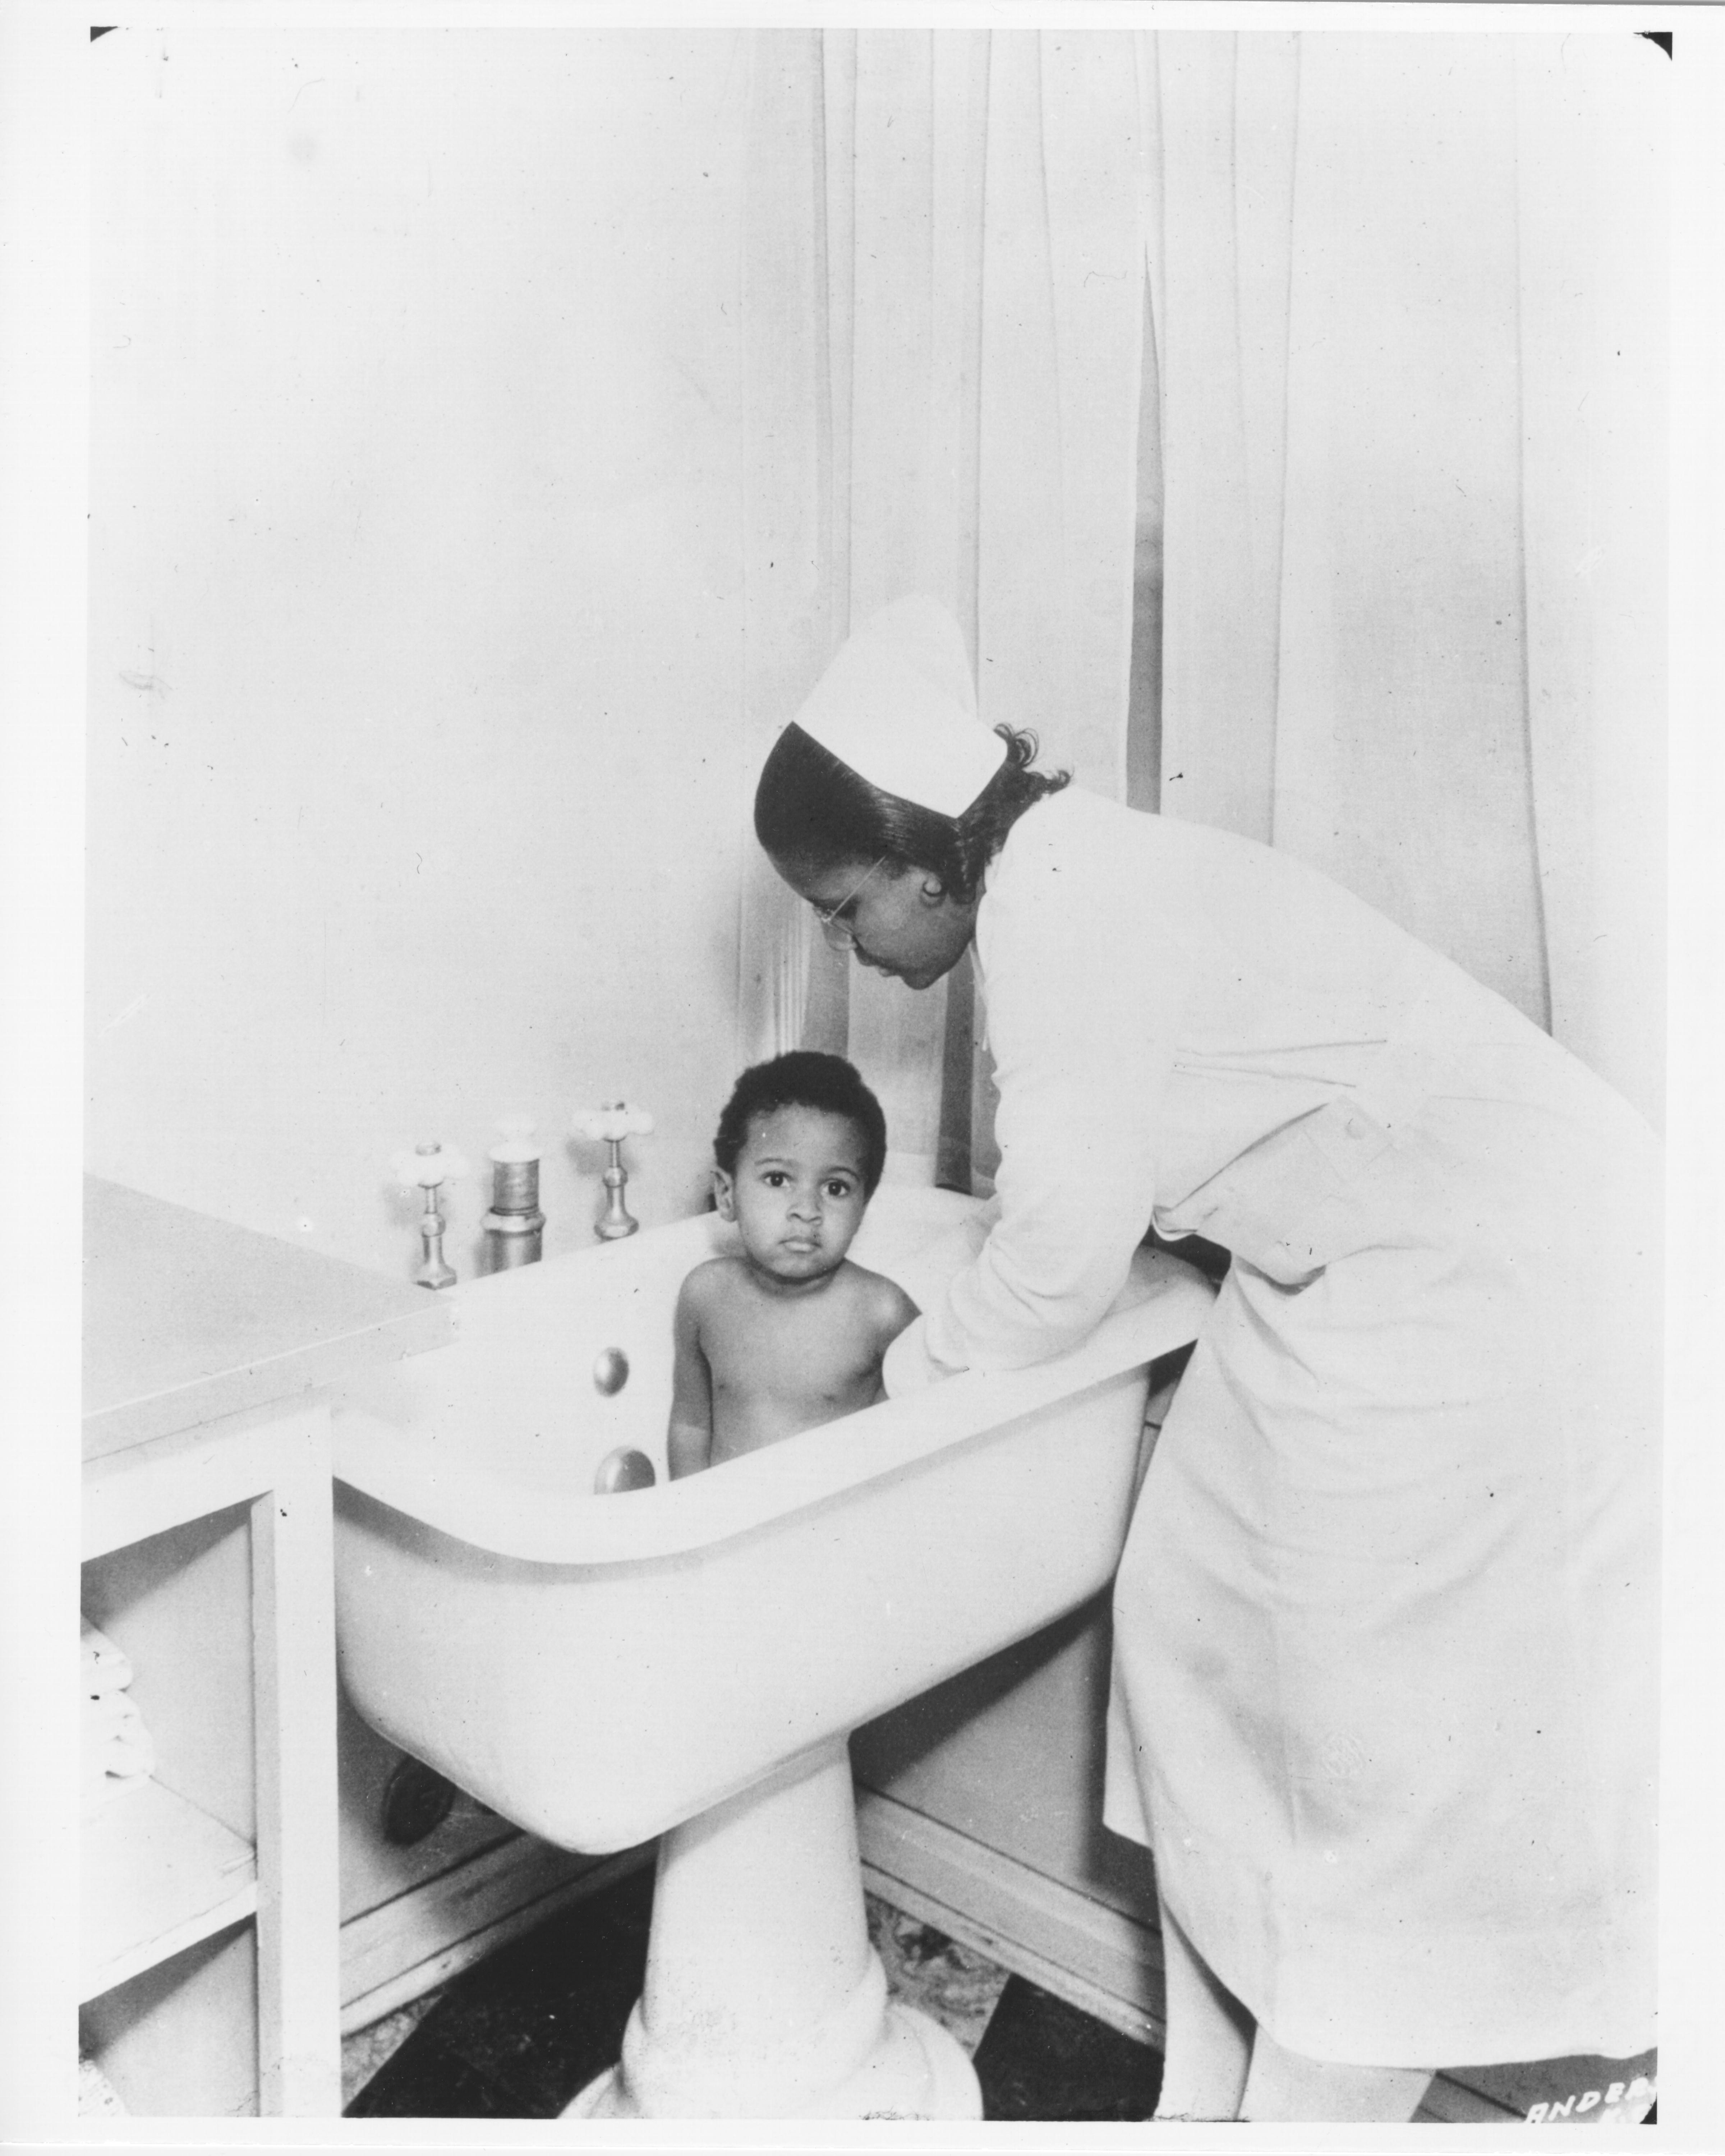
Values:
[(1385, 1630)]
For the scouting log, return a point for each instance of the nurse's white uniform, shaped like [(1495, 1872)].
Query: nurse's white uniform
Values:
[(1385, 1649)]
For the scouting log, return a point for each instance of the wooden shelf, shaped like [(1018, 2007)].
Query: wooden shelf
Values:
[(158, 1875)]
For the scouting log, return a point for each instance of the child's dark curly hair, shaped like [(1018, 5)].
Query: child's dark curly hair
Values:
[(815, 810), (803, 1079)]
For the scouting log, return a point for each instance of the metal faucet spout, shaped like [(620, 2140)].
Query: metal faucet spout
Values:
[(612, 1124)]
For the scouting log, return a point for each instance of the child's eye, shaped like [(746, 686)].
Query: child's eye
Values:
[(772, 1176), (838, 1187)]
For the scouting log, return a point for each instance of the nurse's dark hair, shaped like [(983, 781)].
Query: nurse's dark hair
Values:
[(814, 811), (804, 1078)]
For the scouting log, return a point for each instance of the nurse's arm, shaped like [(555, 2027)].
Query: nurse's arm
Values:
[(1083, 1051)]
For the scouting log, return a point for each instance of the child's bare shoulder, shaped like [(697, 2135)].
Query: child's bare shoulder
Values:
[(707, 1284), (889, 1307)]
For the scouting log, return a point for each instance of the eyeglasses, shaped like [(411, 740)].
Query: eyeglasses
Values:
[(840, 933)]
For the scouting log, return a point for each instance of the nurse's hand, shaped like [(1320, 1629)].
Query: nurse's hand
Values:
[(908, 1367)]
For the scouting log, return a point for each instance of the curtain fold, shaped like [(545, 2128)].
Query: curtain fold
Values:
[(1401, 758), (1594, 184), (787, 471), (1061, 350), (1411, 345), (1221, 258)]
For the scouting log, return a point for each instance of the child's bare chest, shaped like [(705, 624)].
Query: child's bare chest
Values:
[(816, 1350)]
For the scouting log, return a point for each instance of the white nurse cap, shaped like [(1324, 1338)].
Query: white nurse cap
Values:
[(898, 705)]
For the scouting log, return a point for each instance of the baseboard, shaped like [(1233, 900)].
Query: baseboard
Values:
[(396, 1954), (1094, 1957)]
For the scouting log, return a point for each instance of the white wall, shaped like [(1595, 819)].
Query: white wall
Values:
[(415, 654)]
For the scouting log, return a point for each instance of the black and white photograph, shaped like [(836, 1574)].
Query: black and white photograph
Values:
[(859, 912)]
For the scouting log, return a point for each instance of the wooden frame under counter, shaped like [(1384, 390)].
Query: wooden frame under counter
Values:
[(209, 1964), (178, 1861)]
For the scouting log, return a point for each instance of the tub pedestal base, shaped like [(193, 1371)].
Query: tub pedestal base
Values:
[(764, 1998)]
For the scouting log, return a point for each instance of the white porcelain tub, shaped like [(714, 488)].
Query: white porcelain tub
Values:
[(602, 1669)]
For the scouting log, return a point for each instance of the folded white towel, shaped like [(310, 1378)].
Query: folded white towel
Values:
[(117, 1754), (106, 1667), (97, 2093)]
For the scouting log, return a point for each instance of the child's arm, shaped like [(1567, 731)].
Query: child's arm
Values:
[(894, 1311), (689, 1443)]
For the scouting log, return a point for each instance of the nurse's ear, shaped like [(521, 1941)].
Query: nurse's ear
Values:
[(724, 1195)]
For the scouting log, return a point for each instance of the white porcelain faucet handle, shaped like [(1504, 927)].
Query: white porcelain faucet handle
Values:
[(614, 1121), (427, 1165), (517, 1141)]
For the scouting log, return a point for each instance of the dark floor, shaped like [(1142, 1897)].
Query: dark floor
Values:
[(518, 2035)]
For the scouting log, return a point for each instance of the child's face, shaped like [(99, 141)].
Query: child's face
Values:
[(798, 1192)]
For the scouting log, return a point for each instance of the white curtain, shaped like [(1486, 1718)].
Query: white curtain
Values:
[(1593, 124), (1409, 300), (1411, 316)]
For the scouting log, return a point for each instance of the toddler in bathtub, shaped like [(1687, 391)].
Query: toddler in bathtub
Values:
[(788, 1332)]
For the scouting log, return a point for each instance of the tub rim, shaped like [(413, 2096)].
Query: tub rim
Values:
[(513, 1518)]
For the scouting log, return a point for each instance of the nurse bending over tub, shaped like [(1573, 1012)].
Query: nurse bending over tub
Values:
[(787, 1333), (1385, 1623)]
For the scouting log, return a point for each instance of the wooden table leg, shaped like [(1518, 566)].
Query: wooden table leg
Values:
[(299, 1905)]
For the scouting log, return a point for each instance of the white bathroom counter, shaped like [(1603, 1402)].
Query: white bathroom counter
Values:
[(187, 1318)]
